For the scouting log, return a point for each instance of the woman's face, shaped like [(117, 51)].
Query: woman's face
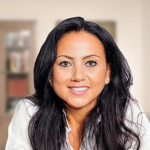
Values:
[(80, 70)]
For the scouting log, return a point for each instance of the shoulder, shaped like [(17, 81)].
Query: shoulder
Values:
[(18, 127), (25, 108), (137, 121), (136, 114), (134, 110)]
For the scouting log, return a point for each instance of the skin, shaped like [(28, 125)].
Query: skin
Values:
[(80, 62)]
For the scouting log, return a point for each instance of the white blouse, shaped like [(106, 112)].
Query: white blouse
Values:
[(18, 129)]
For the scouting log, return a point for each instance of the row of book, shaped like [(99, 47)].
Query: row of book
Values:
[(17, 38), (18, 61), (16, 89)]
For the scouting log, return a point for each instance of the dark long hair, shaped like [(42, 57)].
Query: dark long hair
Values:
[(47, 128)]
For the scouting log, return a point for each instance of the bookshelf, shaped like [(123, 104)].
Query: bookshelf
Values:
[(16, 67)]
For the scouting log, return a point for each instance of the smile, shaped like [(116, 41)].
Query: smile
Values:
[(79, 91)]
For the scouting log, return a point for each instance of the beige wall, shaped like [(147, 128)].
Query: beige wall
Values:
[(131, 17), (146, 55)]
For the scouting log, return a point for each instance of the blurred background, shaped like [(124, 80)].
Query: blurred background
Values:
[(25, 24)]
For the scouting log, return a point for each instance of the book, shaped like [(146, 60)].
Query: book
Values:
[(17, 87)]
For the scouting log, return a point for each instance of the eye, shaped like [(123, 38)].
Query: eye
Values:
[(91, 63), (65, 64)]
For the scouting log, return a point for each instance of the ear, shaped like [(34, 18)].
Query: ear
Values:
[(50, 81), (108, 72)]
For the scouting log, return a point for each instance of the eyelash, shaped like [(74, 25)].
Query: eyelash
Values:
[(88, 64), (94, 63), (63, 64)]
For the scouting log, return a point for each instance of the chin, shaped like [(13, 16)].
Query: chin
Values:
[(74, 106), (80, 106)]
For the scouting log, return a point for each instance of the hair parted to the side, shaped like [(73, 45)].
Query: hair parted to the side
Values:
[(47, 126)]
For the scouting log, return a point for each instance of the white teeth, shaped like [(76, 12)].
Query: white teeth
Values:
[(80, 89)]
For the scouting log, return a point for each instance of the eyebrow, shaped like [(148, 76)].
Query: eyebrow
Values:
[(69, 57)]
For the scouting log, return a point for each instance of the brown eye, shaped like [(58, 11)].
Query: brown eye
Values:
[(91, 63), (65, 64)]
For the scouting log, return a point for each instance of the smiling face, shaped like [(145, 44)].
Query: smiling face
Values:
[(80, 70)]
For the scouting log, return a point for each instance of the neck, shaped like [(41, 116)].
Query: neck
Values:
[(76, 117)]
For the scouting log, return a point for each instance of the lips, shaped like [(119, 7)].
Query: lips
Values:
[(81, 90)]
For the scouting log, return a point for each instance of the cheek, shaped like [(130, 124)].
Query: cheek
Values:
[(97, 80), (97, 76), (59, 79), (60, 76)]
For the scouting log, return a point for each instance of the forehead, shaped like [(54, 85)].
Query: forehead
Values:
[(77, 42)]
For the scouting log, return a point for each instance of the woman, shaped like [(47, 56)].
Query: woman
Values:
[(82, 99)]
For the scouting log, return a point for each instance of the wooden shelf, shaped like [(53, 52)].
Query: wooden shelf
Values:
[(17, 48), (17, 74), (14, 97), (17, 60)]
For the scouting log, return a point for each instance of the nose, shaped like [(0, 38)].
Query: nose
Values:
[(78, 74)]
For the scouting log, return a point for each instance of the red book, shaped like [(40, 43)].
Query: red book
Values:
[(17, 87)]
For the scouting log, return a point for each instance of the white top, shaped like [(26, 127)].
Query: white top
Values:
[(18, 129)]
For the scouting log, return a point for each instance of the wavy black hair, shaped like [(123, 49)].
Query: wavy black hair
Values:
[(47, 128)]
